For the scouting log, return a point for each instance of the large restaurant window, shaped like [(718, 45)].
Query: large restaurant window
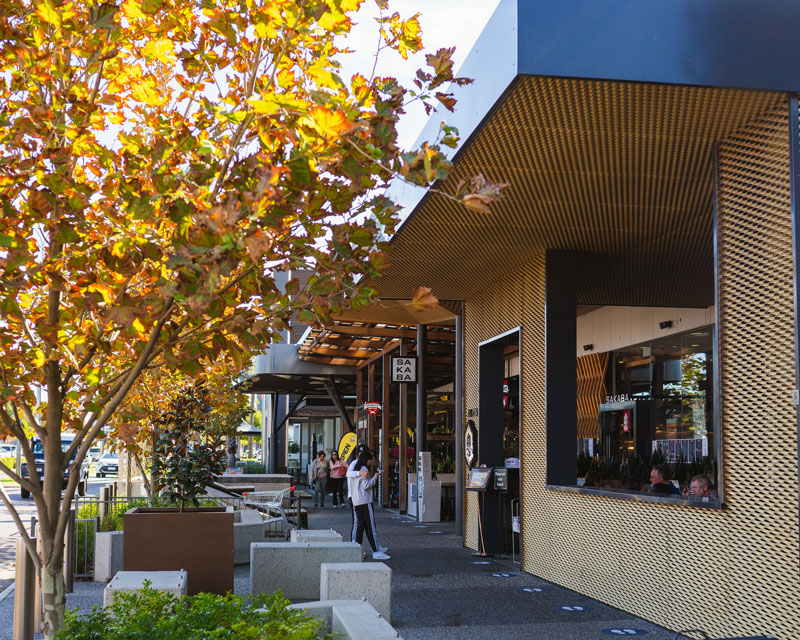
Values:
[(653, 431)]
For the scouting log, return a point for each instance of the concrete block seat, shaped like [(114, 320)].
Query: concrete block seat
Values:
[(294, 567), (315, 535), (174, 582), (351, 619), (108, 554), (357, 580)]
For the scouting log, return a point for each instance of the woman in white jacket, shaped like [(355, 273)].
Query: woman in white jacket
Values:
[(359, 485)]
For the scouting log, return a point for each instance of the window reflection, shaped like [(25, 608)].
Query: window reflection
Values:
[(658, 412)]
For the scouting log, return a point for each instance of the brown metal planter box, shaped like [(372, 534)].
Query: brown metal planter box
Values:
[(198, 540)]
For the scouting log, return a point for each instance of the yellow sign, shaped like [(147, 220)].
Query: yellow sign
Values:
[(347, 446)]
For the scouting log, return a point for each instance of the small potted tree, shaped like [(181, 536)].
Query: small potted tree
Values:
[(184, 536)]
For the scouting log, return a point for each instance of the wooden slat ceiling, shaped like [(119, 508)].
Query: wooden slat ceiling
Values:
[(355, 343), (619, 172)]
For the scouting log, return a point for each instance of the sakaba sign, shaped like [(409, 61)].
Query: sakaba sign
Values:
[(403, 369)]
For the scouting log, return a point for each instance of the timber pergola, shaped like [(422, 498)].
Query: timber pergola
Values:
[(365, 339)]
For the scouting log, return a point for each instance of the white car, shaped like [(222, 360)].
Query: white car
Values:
[(8, 450), (107, 465)]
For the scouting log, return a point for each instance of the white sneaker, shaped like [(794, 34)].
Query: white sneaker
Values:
[(382, 549), (380, 555)]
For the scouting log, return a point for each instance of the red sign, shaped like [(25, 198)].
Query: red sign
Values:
[(372, 408), (626, 421)]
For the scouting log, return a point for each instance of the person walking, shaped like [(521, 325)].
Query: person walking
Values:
[(360, 483), (338, 470), (319, 478)]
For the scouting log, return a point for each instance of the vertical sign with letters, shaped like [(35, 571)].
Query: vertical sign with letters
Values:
[(403, 369)]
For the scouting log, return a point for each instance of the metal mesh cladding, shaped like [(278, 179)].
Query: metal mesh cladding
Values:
[(600, 167), (732, 571), (591, 391)]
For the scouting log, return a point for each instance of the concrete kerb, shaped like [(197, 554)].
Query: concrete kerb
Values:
[(294, 567), (355, 619)]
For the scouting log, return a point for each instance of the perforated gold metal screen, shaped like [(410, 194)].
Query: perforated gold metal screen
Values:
[(591, 392), (730, 572)]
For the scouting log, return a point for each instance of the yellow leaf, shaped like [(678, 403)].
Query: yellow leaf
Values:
[(138, 327), (47, 12), (116, 118), (147, 92), (331, 19), (132, 10), (103, 290), (331, 124), (266, 107), (161, 49), (38, 358)]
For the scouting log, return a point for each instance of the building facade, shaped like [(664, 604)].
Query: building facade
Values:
[(631, 302)]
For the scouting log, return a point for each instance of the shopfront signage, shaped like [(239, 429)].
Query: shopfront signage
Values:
[(373, 408), (470, 443), (403, 369), (622, 397), (626, 421)]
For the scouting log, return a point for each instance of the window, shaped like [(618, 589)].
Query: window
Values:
[(655, 427)]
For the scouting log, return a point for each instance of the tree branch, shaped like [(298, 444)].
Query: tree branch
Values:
[(21, 529)]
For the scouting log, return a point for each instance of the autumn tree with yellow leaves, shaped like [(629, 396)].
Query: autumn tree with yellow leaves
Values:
[(160, 160)]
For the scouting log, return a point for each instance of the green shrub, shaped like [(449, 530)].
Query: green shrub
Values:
[(148, 614), (253, 467)]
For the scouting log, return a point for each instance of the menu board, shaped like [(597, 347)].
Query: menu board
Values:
[(478, 479)]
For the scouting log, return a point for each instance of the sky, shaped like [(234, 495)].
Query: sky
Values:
[(445, 23)]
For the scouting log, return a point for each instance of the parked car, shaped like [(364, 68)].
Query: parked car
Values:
[(38, 455), (107, 465), (8, 450)]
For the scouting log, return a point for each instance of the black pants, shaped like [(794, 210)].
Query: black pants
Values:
[(338, 491), (364, 520)]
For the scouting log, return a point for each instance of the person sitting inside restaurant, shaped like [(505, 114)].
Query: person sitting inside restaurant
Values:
[(592, 479), (701, 487), (659, 481)]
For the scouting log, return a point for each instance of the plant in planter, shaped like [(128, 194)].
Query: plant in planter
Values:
[(200, 540), (148, 614)]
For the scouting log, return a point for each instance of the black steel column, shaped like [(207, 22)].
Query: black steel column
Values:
[(273, 441), (459, 398), (422, 400), (560, 367), (794, 171)]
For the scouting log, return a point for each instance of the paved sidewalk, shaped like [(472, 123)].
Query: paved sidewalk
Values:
[(440, 593)]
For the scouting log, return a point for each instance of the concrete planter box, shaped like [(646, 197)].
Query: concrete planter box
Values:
[(197, 540), (350, 619)]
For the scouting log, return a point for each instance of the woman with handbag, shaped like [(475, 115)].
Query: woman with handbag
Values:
[(338, 470)]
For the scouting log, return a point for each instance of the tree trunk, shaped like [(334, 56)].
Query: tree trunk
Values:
[(53, 598), (233, 445)]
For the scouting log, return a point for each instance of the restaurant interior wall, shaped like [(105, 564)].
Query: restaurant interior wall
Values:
[(732, 571), (609, 327)]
